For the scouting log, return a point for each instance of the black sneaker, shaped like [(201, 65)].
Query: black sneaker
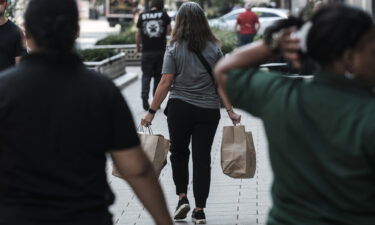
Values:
[(198, 217), (182, 209), (145, 104)]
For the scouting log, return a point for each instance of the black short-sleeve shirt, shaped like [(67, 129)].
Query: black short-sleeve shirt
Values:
[(153, 26), (58, 120), (10, 45)]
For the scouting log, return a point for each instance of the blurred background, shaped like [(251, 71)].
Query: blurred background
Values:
[(108, 26), (97, 9)]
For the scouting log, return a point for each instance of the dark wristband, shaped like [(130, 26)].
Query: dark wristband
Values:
[(151, 111)]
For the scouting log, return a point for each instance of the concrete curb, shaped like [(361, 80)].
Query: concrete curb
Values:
[(125, 80)]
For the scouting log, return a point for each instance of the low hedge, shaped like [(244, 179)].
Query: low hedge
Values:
[(126, 37), (96, 55), (228, 39)]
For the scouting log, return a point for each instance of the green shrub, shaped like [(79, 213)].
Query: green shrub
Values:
[(212, 13), (126, 37), (228, 39), (9, 13), (96, 55), (258, 37)]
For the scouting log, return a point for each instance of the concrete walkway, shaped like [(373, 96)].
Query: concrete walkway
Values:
[(231, 201)]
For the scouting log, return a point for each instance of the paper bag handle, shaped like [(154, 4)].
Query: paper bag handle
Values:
[(144, 129)]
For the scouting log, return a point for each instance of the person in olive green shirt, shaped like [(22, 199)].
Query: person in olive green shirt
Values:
[(321, 131)]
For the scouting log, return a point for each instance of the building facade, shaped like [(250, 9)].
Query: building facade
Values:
[(22, 4)]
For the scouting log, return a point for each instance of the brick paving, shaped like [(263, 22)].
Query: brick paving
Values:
[(231, 201)]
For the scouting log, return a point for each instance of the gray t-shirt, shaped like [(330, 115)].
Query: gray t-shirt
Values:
[(192, 84)]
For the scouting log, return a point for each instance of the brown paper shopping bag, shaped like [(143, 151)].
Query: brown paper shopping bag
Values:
[(238, 157), (156, 148)]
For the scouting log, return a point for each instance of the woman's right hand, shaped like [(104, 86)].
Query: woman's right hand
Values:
[(289, 46), (147, 119)]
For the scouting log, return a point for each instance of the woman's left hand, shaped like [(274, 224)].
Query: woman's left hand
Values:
[(236, 118)]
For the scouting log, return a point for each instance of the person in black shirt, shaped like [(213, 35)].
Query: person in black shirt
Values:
[(153, 27), (11, 40), (58, 121)]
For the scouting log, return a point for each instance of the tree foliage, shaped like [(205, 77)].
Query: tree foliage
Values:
[(10, 10)]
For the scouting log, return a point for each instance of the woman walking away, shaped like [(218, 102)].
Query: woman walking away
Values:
[(193, 107), (58, 121), (321, 131)]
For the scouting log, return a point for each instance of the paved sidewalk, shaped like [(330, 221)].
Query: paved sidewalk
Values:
[(231, 201)]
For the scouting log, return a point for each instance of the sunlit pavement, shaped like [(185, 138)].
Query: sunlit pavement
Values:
[(231, 201)]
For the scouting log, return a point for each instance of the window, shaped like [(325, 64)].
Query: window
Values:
[(266, 14), (232, 16)]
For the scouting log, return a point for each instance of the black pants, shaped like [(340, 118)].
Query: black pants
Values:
[(244, 39), (152, 63), (185, 122)]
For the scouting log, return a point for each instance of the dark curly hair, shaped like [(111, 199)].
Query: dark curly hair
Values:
[(192, 27), (336, 28), (53, 24)]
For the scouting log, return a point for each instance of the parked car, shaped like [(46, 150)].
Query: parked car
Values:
[(266, 17)]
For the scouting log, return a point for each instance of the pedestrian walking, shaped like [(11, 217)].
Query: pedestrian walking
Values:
[(246, 26), (153, 27), (12, 46), (193, 108), (320, 131), (58, 121)]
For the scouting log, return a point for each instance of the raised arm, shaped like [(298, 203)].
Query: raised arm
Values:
[(136, 169), (257, 53)]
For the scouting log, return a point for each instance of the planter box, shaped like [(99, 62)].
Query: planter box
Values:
[(112, 67), (131, 55)]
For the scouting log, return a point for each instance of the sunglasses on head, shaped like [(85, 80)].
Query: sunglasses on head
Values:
[(2, 1)]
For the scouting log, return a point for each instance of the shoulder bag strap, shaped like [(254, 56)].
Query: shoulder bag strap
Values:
[(206, 65)]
